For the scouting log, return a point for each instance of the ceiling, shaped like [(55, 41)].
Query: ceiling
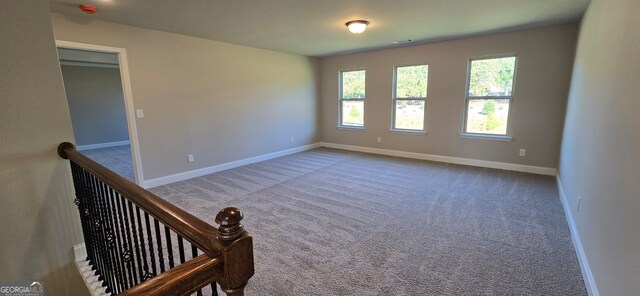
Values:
[(316, 27)]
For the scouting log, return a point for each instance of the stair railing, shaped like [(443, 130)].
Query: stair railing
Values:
[(139, 244)]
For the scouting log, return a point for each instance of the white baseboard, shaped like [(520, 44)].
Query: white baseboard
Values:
[(224, 166), (448, 159), (102, 145), (589, 281), (439, 158)]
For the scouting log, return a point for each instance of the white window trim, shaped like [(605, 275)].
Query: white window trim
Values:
[(394, 99), (487, 137), (341, 100), (407, 131), (507, 136), (350, 127)]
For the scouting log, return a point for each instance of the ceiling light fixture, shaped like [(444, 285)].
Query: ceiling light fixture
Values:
[(357, 26)]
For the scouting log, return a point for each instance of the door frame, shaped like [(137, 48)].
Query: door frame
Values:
[(128, 97)]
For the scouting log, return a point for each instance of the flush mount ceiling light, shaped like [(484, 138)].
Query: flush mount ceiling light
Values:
[(357, 26)]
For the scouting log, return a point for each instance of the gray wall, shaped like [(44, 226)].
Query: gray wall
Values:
[(600, 159), (96, 104), (219, 101), (39, 220), (544, 69)]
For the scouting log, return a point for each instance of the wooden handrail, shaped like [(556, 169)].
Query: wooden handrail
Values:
[(228, 250), (193, 229), (184, 279)]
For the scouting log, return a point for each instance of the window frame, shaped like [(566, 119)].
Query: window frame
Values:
[(395, 99), (341, 99), (502, 137)]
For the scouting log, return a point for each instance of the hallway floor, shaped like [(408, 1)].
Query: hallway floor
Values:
[(117, 159)]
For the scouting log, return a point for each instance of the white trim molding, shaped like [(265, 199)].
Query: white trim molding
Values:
[(224, 166), (438, 158), (587, 275), (102, 145), (128, 97), (448, 159)]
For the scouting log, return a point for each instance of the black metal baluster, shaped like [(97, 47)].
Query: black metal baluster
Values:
[(94, 221), (127, 229), (86, 214), (111, 236), (98, 222), (121, 239), (181, 248), (79, 201), (167, 235), (194, 251), (134, 233), (116, 218), (110, 240), (150, 241), (214, 289), (159, 241), (146, 275), (194, 254)]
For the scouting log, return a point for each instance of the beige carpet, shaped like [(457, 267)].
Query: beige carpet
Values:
[(117, 159), (329, 222)]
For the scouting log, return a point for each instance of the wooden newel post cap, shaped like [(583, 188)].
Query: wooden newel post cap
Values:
[(230, 227), (62, 147)]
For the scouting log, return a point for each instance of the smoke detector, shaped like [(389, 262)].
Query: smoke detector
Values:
[(89, 9)]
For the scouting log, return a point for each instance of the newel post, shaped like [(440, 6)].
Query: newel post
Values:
[(238, 251)]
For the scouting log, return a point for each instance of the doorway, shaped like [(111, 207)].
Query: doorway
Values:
[(96, 81)]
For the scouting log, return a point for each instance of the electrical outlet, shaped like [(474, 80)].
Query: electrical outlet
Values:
[(523, 152), (291, 139), (579, 200), (379, 139), (190, 157), (139, 113)]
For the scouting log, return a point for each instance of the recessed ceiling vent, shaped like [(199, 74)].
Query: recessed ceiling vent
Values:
[(403, 41)]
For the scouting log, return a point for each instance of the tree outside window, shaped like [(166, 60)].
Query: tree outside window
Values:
[(489, 95)]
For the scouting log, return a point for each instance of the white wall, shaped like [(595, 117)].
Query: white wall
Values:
[(218, 101), (543, 73), (600, 159), (39, 222)]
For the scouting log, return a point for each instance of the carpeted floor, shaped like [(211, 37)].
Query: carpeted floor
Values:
[(329, 222), (117, 159)]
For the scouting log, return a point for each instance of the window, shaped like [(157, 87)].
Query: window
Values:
[(409, 94), (489, 91), (352, 94)]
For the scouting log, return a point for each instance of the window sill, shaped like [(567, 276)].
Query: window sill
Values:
[(411, 132), (487, 137), (351, 128)]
